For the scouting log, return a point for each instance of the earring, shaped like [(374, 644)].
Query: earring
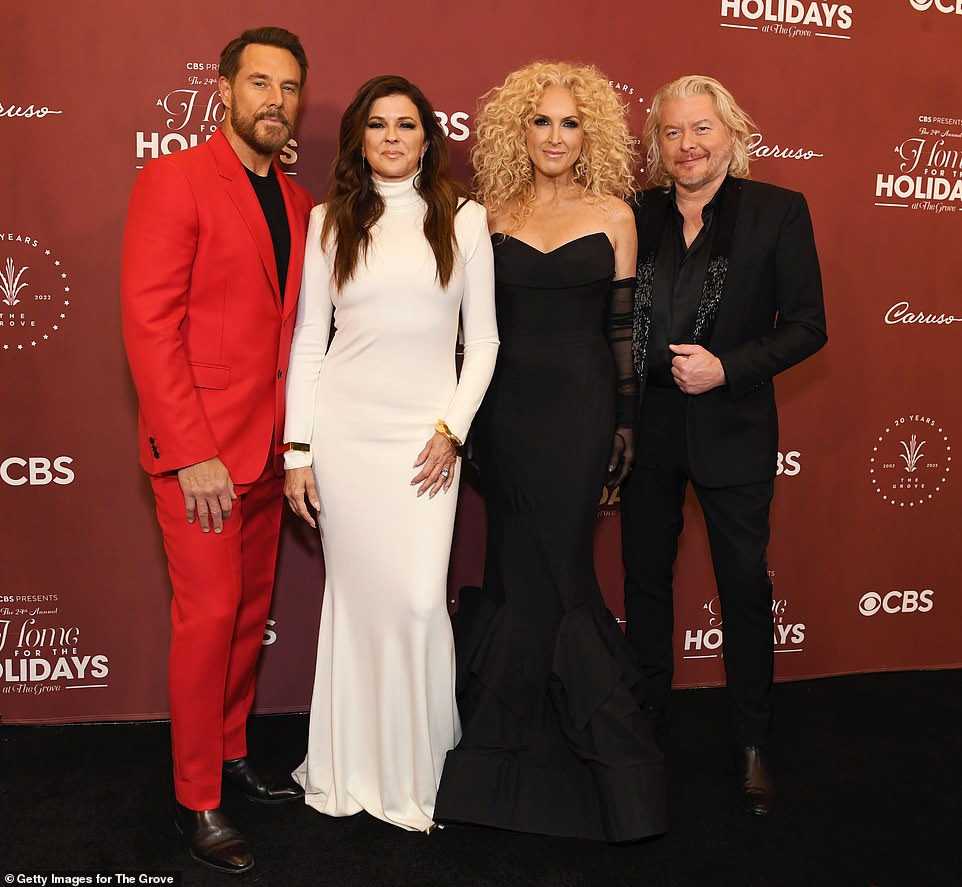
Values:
[(420, 163)]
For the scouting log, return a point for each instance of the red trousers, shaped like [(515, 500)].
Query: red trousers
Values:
[(222, 584)]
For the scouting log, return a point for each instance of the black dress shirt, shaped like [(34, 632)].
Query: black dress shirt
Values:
[(679, 278)]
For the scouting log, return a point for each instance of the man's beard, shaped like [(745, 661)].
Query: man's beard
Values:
[(718, 166), (269, 144)]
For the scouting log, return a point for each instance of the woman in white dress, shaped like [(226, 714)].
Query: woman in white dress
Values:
[(375, 417)]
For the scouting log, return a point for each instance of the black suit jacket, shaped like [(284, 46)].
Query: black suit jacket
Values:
[(771, 317)]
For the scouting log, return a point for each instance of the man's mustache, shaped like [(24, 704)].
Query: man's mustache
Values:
[(274, 115)]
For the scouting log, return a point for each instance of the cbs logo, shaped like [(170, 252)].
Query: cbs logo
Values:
[(908, 601), (270, 636), (788, 464), (454, 126), (940, 5), (36, 471)]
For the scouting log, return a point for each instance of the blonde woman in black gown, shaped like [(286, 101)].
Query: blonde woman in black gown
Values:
[(555, 738)]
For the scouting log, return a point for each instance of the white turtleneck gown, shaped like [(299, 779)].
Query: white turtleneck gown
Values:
[(383, 713)]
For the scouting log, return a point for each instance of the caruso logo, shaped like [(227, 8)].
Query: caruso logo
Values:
[(29, 112), (902, 312), (758, 148), (908, 601), (940, 5), (790, 18)]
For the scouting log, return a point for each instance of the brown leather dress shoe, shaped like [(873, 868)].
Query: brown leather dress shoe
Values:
[(257, 787), (213, 841), (757, 785)]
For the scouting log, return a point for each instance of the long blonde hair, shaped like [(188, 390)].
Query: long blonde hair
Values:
[(728, 110), (503, 171)]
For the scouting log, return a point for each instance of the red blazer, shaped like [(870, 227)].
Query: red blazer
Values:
[(207, 335)]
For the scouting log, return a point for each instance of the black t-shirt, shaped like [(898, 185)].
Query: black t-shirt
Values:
[(268, 191)]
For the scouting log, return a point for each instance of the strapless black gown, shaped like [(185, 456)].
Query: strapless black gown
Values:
[(555, 740)]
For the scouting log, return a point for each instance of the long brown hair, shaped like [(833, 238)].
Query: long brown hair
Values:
[(353, 204)]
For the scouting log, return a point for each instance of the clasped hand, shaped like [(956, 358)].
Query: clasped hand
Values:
[(695, 369)]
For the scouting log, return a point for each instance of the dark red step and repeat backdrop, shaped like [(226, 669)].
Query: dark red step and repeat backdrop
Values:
[(858, 105)]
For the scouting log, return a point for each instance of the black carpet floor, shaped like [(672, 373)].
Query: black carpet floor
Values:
[(869, 775)]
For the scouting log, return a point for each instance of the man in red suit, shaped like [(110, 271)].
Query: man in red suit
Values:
[(211, 269)]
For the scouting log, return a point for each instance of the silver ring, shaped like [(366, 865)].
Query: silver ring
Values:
[(444, 472)]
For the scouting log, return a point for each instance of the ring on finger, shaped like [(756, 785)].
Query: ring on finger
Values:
[(445, 472)]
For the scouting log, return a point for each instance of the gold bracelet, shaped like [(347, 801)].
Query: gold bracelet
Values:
[(294, 447), (442, 428)]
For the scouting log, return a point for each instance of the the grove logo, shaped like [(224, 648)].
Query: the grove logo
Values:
[(911, 461), (907, 601), (632, 96), (940, 5), (10, 284), (36, 471), (628, 91), (34, 292)]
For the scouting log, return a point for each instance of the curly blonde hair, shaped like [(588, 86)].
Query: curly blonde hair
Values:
[(728, 110), (503, 170)]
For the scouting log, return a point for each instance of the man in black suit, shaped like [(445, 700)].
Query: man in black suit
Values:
[(729, 294)]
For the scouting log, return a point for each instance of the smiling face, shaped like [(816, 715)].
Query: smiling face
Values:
[(393, 138), (554, 136), (262, 98), (695, 145)]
